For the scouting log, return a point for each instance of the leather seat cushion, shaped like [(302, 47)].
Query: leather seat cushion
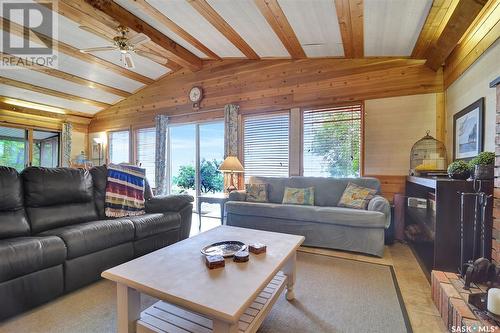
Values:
[(24, 255), (85, 238), (13, 222), (332, 215), (151, 224)]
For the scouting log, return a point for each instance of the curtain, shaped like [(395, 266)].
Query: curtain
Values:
[(161, 126), (231, 141), (66, 133)]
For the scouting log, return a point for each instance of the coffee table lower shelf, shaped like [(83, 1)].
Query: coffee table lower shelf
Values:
[(163, 317)]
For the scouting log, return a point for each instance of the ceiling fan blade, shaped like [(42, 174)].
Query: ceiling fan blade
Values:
[(156, 58), (139, 39), (127, 60), (99, 49), (95, 32)]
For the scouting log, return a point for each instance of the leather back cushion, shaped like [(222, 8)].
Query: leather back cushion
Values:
[(13, 220), (100, 178), (57, 197)]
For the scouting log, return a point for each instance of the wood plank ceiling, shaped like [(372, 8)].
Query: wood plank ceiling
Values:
[(191, 32)]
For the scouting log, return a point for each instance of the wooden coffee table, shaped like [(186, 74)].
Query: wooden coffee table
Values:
[(232, 299)]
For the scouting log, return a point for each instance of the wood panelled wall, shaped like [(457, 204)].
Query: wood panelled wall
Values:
[(270, 85)]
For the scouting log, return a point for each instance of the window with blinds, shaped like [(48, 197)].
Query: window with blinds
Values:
[(146, 150), (332, 142), (266, 145), (119, 147)]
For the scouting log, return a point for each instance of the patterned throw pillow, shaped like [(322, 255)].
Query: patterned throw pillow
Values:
[(356, 196), (299, 196), (256, 192)]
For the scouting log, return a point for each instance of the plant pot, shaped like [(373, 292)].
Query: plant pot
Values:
[(484, 172), (459, 175)]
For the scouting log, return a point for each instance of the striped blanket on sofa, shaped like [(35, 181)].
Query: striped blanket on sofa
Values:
[(124, 191)]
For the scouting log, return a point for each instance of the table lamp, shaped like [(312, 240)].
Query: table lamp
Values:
[(231, 165)]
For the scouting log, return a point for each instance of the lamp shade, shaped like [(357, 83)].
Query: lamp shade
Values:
[(231, 164)]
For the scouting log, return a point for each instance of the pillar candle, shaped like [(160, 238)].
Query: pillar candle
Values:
[(494, 301)]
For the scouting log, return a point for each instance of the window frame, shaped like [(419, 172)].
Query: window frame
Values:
[(130, 144)]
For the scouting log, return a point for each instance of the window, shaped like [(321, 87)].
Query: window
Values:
[(332, 142), (119, 147), (266, 145), (13, 148), (146, 152), (45, 149)]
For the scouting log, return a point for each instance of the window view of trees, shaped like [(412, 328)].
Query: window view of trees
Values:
[(211, 181), (13, 153)]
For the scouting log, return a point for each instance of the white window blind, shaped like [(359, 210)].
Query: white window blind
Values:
[(146, 150), (332, 141), (119, 147), (266, 145)]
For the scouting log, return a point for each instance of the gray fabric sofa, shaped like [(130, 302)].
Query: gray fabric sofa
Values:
[(324, 224)]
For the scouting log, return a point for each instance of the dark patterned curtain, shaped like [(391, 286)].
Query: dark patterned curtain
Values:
[(231, 141), (66, 133)]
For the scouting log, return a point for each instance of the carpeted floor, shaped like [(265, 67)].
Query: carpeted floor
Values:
[(332, 295)]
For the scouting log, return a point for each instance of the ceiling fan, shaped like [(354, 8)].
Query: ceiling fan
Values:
[(125, 45)]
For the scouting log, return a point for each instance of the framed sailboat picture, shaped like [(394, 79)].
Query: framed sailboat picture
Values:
[(468, 131)]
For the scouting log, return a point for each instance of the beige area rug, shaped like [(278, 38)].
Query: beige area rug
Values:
[(332, 295)]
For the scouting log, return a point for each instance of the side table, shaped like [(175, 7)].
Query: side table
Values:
[(213, 199)]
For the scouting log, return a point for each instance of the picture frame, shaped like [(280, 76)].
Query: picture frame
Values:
[(468, 131)]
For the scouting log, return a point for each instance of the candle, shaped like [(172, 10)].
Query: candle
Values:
[(494, 301)]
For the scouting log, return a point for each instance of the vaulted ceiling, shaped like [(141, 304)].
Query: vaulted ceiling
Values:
[(191, 32)]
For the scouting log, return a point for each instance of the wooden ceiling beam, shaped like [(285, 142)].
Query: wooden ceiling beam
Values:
[(84, 14), (436, 20), (175, 51), (277, 20), (350, 18), (74, 117), (160, 17), (75, 53), (69, 77), (462, 17), (51, 92), (223, 27)]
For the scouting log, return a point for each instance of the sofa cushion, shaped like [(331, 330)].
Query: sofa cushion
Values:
[(85, 238), (13, 220), (275, 187), (356, 197), (333, 215), (152, 224), (56, 197), (299, 196), (256, 192), (24, 255)]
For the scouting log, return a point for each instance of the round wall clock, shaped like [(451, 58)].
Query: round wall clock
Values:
[(195, 95)]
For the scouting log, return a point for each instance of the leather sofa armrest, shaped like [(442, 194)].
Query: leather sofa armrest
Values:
[(239, 195), (168, 203), (381, 204)]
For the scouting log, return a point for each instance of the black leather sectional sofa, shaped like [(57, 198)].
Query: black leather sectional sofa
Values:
[(55, 238)]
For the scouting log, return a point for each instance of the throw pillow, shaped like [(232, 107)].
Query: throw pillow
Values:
[(256, 192), (357, 197), (299, 196)]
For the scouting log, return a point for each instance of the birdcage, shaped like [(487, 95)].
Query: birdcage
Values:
[(428, 157)]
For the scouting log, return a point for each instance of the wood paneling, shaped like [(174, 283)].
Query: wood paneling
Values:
[(391, 185), (350, 17), (278, 21), (463, 15), (268, 85), (223, 27), (495, 254), (481, 35), (175, 52), (439, 15)]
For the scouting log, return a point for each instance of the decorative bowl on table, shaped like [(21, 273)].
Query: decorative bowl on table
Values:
[(225, 248)]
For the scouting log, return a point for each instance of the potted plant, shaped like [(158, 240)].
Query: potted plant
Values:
[(459, 170), (482, 166)]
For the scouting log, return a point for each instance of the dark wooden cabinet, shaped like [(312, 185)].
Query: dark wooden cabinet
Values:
[(441, 248)]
